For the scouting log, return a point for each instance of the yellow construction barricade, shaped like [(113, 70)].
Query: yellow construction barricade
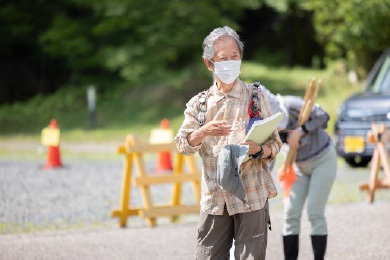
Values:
[(134, 152)]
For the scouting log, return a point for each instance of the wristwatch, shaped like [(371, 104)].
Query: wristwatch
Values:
[(259, 154)]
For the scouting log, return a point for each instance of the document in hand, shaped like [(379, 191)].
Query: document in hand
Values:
[(261, 130)]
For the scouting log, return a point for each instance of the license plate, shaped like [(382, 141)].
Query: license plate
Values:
[(353, 144)]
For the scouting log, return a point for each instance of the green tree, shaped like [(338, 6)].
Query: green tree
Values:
[(25, 69), (356, 29), (137, 39), (46, 44)]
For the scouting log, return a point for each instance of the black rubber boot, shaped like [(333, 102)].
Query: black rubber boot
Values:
[(319, 246), (291, 247)]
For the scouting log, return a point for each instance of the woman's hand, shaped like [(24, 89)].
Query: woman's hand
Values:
[(216, 128), (253, 147), (293, 138), (212, 128)]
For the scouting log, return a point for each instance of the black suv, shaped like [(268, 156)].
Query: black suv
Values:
[(360, 110)]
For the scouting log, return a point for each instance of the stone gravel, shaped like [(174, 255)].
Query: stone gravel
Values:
[(80, 194)]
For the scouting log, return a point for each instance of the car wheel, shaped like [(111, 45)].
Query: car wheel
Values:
[(358, 161)]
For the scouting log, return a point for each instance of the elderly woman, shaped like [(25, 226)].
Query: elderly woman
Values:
[(213, 119)]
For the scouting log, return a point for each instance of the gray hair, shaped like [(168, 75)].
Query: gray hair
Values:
[(215, 35)]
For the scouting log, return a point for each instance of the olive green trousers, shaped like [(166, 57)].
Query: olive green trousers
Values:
[(249, 231)]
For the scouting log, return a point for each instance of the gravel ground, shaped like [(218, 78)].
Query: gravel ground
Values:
[(80, 194), (65, 214)]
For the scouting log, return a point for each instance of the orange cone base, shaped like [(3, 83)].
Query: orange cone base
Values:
[(164, 161), (48, 167), (53, 158)]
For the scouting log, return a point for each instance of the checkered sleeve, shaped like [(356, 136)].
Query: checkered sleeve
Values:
[(190, 124), (273, 142)]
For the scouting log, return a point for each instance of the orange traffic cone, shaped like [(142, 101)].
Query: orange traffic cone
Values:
[(53, 154), (164, 158)]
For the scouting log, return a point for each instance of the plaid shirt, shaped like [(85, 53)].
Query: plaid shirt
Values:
[(256, 176)]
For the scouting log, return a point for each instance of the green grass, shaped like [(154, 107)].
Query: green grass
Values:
[(137, 110), (10, 228)]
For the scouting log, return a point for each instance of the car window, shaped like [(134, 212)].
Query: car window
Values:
[(386, 81), (381, 81), (370, 86)]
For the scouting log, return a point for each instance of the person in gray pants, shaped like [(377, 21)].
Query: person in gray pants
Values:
[(315, 168)]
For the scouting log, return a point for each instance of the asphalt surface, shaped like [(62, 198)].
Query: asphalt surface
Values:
[(65, 214), (357, 231)]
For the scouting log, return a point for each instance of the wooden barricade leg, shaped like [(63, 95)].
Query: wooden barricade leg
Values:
[(192, 168), (125, 191), (176, 187), (124, 208), (145, 188), (385, 162), (374, 176)]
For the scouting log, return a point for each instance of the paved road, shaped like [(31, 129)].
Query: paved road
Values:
[(357, 231)]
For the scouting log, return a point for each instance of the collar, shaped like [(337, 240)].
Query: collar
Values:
[(234, 92)]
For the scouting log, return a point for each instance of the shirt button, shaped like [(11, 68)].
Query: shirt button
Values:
[(247, 206)]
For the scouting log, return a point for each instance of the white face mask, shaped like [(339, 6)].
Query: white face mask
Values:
[(227, 71)]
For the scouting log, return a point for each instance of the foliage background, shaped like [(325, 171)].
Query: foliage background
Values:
[(144, 56)]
